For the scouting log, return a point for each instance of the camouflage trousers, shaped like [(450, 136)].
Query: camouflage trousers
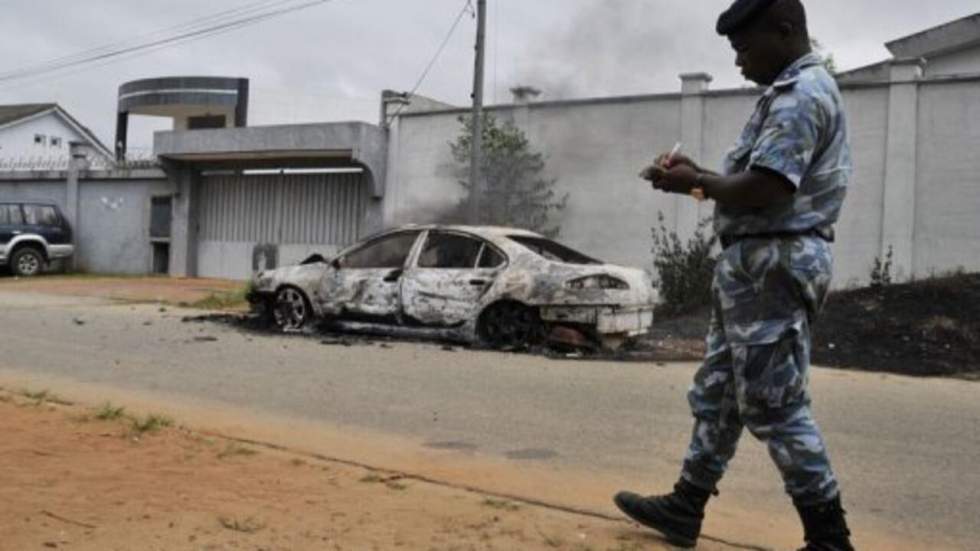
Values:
[(766, 295)]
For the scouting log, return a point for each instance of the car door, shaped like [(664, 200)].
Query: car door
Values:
[(365, 283), (451, 274), (11, 224)]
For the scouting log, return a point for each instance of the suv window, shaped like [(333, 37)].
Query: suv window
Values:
[(11, 214), (387, 252), (41, 215), (449, 251)]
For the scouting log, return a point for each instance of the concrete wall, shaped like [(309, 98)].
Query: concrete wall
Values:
[(112, 231), (916, 185), (947, 200), (955, 63)]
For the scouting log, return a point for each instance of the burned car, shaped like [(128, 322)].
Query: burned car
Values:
[(502, 287)]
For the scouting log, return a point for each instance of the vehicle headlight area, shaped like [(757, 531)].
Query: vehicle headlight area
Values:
[(600, 281)]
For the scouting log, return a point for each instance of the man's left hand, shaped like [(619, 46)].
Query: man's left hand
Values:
[(679, 179)]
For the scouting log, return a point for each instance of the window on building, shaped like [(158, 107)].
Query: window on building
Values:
[(41, 215), (449, 251), (387, 252), (11, 214), (55, 141), (40, 139), (161, 213)]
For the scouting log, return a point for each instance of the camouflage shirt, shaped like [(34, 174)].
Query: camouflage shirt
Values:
[(798, 130)]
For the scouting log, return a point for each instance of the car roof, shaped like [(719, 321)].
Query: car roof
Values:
[(487, 231)]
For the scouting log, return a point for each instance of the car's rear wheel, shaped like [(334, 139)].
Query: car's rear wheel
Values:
[(291, 310), (509, 326), (27, 262)]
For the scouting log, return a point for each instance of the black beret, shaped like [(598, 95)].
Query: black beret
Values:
[(740, 14)]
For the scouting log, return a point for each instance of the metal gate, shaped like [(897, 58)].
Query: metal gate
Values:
[(243, 217)]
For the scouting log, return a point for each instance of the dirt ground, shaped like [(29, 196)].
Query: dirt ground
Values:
[(186, 291), (73, 480), (924, 328)]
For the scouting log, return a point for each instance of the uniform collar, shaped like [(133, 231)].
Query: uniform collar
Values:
[(791, 74)]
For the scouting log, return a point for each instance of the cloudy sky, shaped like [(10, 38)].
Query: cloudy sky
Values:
[(330, 62)]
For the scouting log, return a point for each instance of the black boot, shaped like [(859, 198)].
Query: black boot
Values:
[(824, 527), (677, 515)]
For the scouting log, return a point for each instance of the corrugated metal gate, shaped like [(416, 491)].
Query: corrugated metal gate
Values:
[(296, 213)]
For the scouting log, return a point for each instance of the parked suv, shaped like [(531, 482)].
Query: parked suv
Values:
[(31, 235)]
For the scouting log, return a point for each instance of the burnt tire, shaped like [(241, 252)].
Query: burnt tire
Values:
[(27, 262), (291, 309), (510, 326)]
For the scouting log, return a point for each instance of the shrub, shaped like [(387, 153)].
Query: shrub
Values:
[(683, 271), (881, 270)]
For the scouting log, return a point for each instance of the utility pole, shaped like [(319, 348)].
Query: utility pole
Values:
[(476, 140)]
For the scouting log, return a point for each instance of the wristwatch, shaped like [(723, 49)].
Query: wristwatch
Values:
[(698, 190)]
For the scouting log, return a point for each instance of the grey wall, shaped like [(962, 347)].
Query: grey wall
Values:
[(40, 190), (112, 233), (595, 149)]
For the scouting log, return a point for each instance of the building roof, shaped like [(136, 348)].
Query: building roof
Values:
[(952, 36), (14, 113)]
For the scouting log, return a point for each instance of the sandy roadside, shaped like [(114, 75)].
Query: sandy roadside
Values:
[(73, 481)]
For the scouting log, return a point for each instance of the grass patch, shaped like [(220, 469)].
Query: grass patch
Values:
[(151, 423), (226, 300), (501, 504), (297, 462), (371, 478), (247, 526), (109, 412), (234, 449), (45, 396)]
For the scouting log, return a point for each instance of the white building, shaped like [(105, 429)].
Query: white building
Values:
[(33, 135)]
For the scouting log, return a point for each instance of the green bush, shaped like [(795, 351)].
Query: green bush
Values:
[(683, 270)]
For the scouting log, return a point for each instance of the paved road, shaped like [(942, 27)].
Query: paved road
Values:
[(906, 449)]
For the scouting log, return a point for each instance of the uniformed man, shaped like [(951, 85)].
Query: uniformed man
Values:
[(777, 198)]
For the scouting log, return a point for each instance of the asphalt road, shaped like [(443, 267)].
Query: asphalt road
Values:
[(905, 449)]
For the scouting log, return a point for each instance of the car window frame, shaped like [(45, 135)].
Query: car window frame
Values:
[(58, 220), (476, 263), (19, 207), (339, 262)]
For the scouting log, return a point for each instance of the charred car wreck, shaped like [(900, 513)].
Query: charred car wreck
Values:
[(502, 287)]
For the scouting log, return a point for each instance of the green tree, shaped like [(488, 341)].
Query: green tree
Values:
[(515, 190), (828, 58)]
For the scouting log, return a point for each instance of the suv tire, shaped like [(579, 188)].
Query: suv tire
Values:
[(27, 262)]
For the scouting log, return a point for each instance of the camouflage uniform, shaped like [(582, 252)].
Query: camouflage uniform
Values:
[(769, 285)]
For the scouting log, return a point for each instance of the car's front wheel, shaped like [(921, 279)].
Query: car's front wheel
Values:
[(291, 310), (27, 262)]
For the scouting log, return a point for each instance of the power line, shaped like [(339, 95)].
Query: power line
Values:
[(180, 38), (187, 25), (467, 7)]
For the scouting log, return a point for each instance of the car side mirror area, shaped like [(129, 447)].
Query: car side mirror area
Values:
[(393, 275)]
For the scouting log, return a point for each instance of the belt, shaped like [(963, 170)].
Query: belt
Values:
[(827, 234)]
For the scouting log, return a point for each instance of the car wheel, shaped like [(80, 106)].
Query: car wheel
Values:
[(291, 310), (27, 262), (509, 326)]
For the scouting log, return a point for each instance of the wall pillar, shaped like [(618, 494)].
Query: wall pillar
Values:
[(184, 234), (78, 161), (693, 86), (898, 212)]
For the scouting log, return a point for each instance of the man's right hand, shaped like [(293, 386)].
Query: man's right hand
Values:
[(667, 161)]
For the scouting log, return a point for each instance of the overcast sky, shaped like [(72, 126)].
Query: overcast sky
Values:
[(331, 62)]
